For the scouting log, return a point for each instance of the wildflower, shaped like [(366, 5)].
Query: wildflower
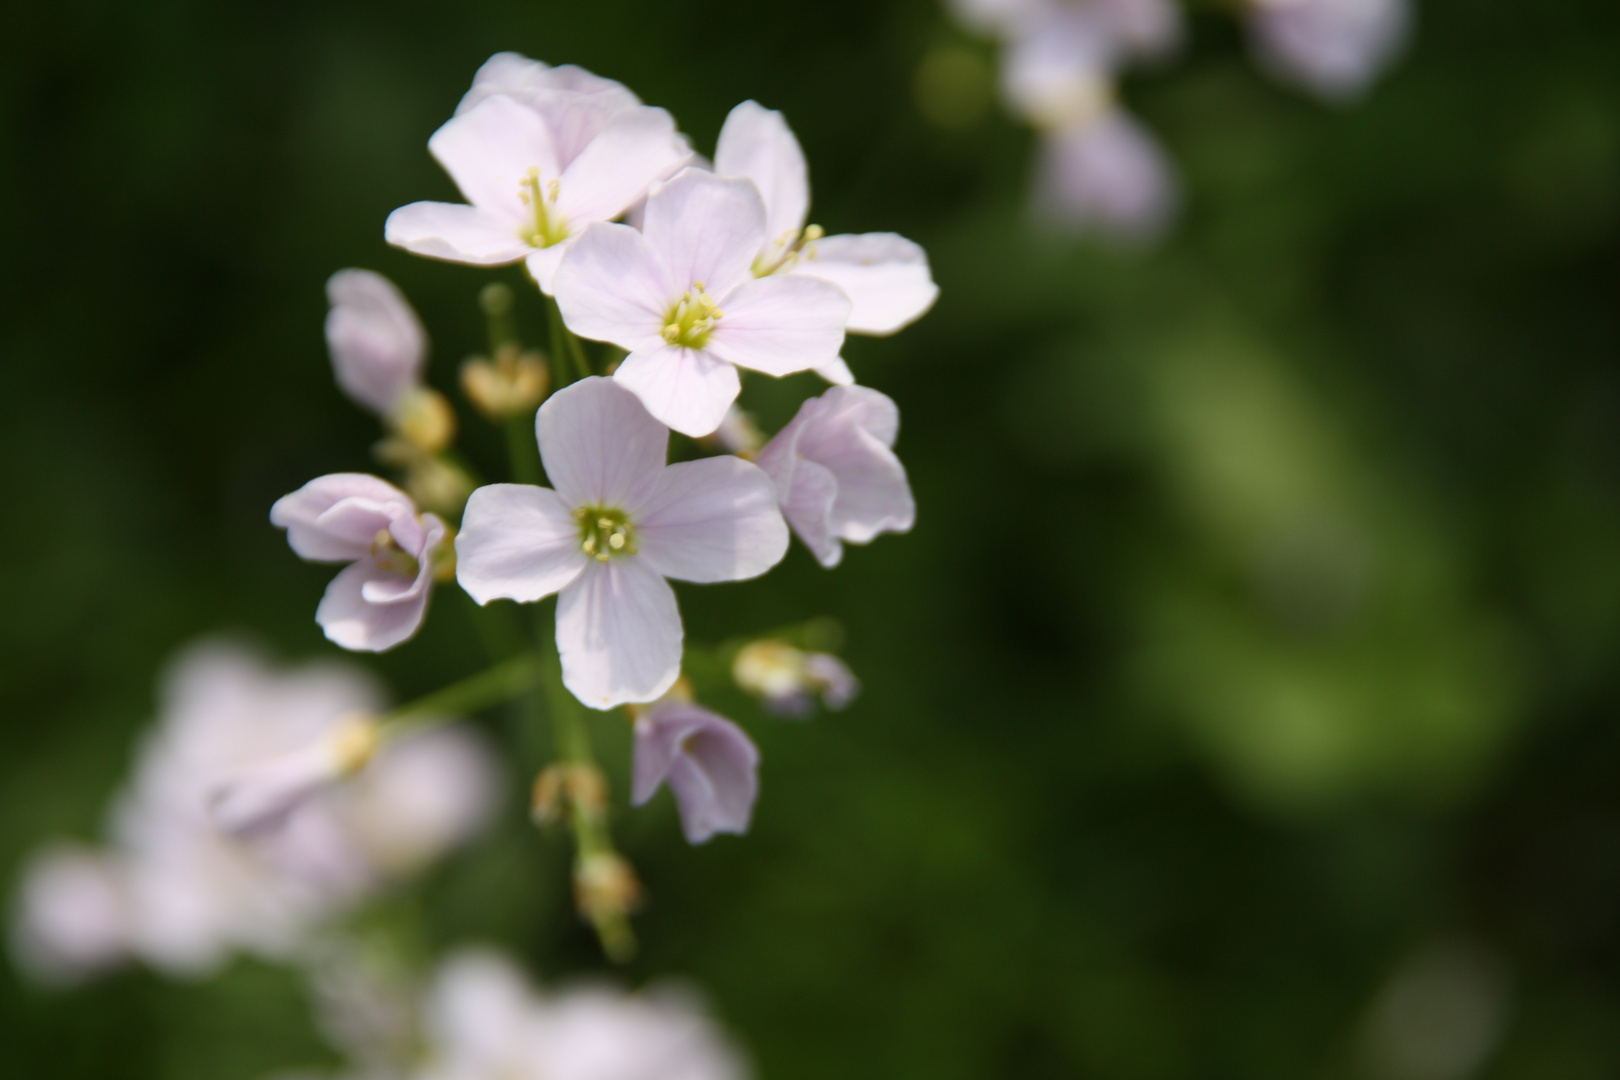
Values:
[(379, 600), (835, 471), (710, 765), (1141, 28), (576, 105), (885, 276), (533, 187), (262, 796), (1333, 48), (71, 917), (618, 522), (1105, 175), (377, 343), (788, 679)]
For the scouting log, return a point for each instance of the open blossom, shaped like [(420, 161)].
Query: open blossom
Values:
[(1141, 27), (885, 276), (681, 297), (710, 765), (485, 1023), (1334, 48), (379, 600), (787, 679), (176, 892), (616, 524), (1107, 175), (536, 170), (576, 105), (377, 343), (836, 474)]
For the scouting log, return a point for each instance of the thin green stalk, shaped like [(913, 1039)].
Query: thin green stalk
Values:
[(564, 341), (495, 685), (521, 449)]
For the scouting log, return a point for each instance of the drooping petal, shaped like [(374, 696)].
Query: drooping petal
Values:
[(851, 438), (488, 151), (781, 324), (354, 622), (808, 507), (517, 542), (455, 233), (885, 276), (686, 389), (335, 518), (377, 343), (705, 229), (757, 143), (711, 520), (611, 286), (619, 633), (599, 445), (617, 167), (711, 766)]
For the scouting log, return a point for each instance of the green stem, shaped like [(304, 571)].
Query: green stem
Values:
[(521, 449), (495, 685), (564, 341)]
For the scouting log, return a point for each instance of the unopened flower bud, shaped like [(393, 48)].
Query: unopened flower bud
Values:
[(513, 384), (438, 485), (581, 787), (424, 419), (788, 679), (605, 887), (261, 797)]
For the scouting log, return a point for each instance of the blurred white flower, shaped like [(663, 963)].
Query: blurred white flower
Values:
[(1333, 48), (1132, 28), (176, 892), (70, 918), (539, 153), (680, 296), (1108, 176), (380, 599), (788, 680), (485, 1023), (617, 524), (377, 343), (836, 474), (885, 276)]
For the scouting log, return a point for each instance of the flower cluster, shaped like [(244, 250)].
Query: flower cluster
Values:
[(1101, 170)]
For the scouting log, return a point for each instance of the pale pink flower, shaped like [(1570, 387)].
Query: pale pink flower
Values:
[(536, 174), (788, 680), (1333, 48), (836, 473), (617, 523), (377, 343), (710, 765), (70, 918), (680, 298), (1107, 176), (885, 276), (1131, 28), (380, 599), (576, 105)]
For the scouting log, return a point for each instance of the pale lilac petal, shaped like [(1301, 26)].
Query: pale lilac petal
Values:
[(611, 286), (259, 797), (377, 343), (711, 520), (874, 412), (619, 633), (1107, 176), (517, 542), (757, 143), (705, 229), (1333, 48), (808, 507), (456, 233), (711, 766), (542, 264), (615, 170), (837, 373), (416, 538), (873, 494), (71, 916), (355, 623), (839, 686), (685, 389), (1062, 71), (335, 518), (488, 151), (781, 324), (885, 276), (599, 445)]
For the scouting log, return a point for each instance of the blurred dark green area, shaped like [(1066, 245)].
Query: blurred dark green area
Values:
[(1248, 681)]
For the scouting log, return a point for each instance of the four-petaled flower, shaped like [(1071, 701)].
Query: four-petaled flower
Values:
[(616, 523), (682, 298), (836, 473), (710, 765), (377, 343), (380, 599), (1333, 48)]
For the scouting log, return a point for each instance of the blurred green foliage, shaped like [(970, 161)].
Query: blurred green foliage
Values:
[(1257, 634)]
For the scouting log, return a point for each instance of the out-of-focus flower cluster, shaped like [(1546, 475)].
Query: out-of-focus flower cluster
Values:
[(1099, 169)]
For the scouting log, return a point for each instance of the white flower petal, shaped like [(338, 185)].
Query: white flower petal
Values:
[(685, 389), (757, 143), (781, 324), (611, 286), (619, 633), (617, 167), (377, 343), (873, 495), (353, 622), (599, 444), (542, 264), (808, 506), (1108, 176), (711, 520), (335, 518), (517, 542), (455, 233), (488, 151), (1333, 48), (837, 373), (885, 276), (706, 229)]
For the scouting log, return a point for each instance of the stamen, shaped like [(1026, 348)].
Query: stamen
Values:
[(691, 318), (547, 226), (604, 532), (791, 247)]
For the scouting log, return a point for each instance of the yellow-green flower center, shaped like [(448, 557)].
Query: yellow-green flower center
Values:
[(605, 532), (789, 248), (691, 319), (547, 226), (393, 558)]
